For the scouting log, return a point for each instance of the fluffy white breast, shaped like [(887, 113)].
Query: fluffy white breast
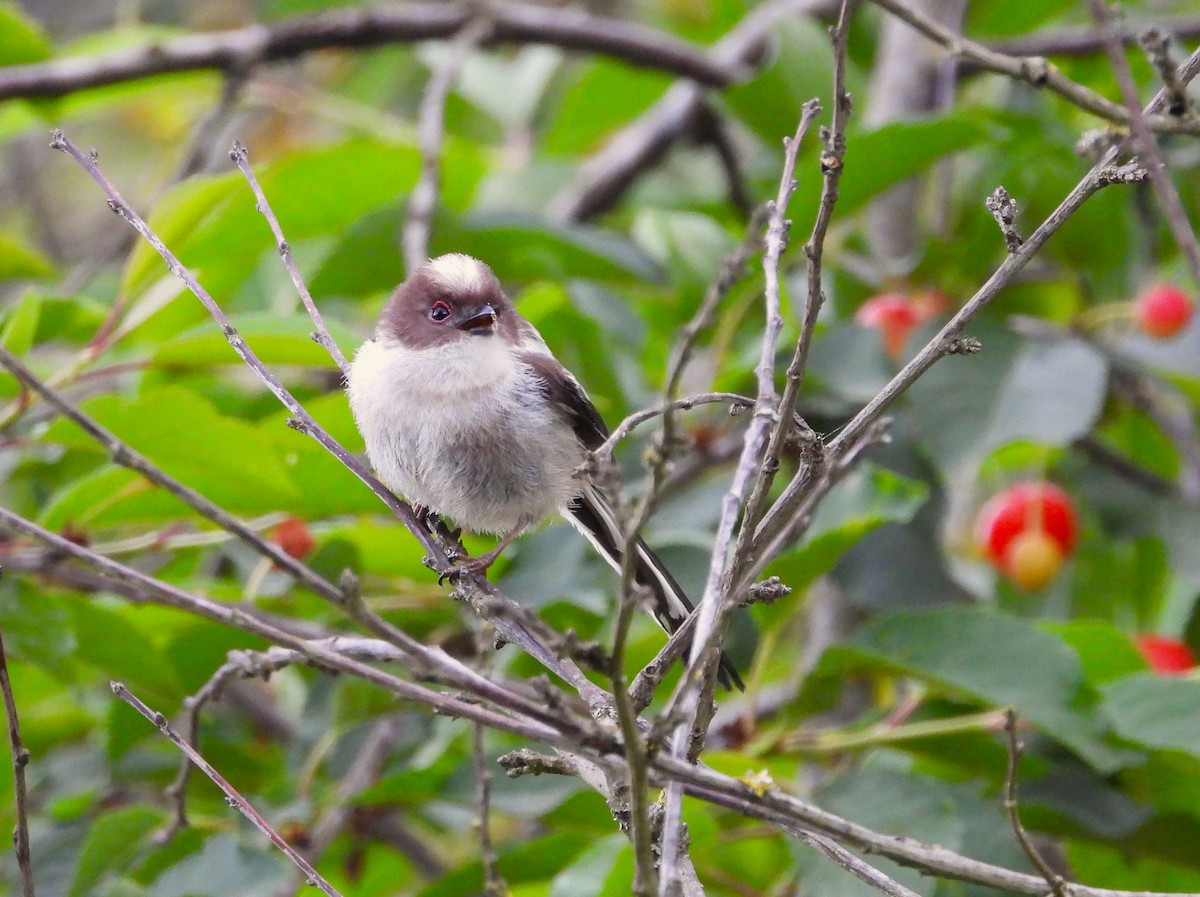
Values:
[(463, 429)]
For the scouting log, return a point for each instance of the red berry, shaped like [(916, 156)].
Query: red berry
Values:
[(294, 537), (1028, 520), (1033, 560), (1164, 655), (1163, 310), (894, 315)]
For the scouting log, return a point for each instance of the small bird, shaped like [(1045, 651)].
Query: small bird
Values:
[(466, 412)]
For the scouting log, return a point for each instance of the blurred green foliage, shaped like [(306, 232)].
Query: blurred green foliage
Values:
[(888, 724)]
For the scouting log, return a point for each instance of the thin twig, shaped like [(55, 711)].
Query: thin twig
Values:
[(322, 337), (494, 883), (20, 759), (246, 665), (1145, 143), (232, 797), (860, 869), (551, 732), (431, 123), (1084, 41), (1035, 71), (832, 163), (1057, 885), (127, 457), (754, 441), (635, 420), (1156, 42), (365, 769)]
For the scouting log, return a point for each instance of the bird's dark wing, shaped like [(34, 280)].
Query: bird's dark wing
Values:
[(590, 513), (561, 387)]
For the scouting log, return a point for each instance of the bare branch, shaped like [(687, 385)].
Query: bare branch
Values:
[(476, 589), (494, 884), (635, 420), (638, 146), (1057, 885), (127, 457), (552, 731), (232, 797), (254, 45), (708, 609), (1004, 209), (1145, 144), (20, 759), (431, 118), (1035, 71), (322, 337)]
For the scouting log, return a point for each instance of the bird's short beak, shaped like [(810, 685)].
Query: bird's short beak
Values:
[(481, 320)]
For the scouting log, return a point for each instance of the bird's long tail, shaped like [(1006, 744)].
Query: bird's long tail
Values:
[(590, 513)]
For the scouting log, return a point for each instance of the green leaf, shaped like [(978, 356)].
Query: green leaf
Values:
[(18, 258), (226, 460), (1000, 660), (606, 96), (524, 248), (881, 158), (1105, 652), (999, 18), (22, 39), (592, 867), (113, 841), (867, 499), (20, 324), (1156, 711), (1048, 394), (274, 339), (109, 640), (212, 226)]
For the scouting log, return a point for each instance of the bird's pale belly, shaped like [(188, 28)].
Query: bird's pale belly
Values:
[(486, 478)]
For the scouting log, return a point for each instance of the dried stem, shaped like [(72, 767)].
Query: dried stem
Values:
[(1144, 142), (431, 123), (234, 799), (707, 632), (1032, 70), (20, 759), (1057, 885), (322, 337), (122, 454), (494, 883)]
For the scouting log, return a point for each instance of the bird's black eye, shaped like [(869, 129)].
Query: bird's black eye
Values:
[(440, 311)]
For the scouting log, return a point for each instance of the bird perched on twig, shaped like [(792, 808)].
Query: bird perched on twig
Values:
[(465, 411)]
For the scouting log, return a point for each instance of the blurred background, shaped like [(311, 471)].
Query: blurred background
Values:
[(605, 195)]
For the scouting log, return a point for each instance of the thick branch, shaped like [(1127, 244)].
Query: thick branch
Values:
[(253, 45)]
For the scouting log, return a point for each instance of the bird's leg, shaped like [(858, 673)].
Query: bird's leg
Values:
[(480, 563)]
